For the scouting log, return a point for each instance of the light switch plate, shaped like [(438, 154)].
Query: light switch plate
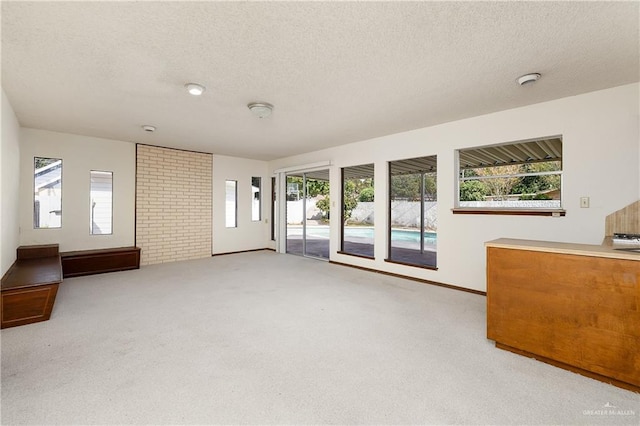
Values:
[(584, 202)]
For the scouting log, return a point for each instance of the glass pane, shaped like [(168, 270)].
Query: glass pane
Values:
[(521, 186), (295, 206), (273, 209), (317, 206), (101, 202), (47, 200), (308, 214), (231, 197), (517, 175), (357, 210), (255, 198), (413, 206)]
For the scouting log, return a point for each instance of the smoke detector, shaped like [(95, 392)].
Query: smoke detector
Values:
[(195, 89), (528, 78), (149, 129), (260, 109)]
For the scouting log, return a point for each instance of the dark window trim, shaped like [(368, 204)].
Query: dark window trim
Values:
[(342, 218), (524, 211), (513, 212), (341, 210), (273, 208), (346, 253), (389, 247)]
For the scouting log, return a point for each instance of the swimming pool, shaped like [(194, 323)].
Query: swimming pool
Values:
[(363, 233)]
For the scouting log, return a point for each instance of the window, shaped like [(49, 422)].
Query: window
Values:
[(255, 199), (357, 211), (47, 199), (101, 202), (413, 202), (518, 176), (273, 208), (231, 197)]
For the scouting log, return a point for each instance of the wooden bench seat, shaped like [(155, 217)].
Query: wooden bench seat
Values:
[(88, 262), (30, 286)]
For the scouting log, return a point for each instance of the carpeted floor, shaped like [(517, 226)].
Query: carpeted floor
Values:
[(263, 338)]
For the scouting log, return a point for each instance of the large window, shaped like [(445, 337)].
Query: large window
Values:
[(101, 202), (256, 206), (47, 198), (357, 211), (231, 200), (518, 176), (413, 211)]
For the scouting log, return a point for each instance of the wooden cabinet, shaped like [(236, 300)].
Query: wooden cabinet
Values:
[(88, 262), (580, 312), (30, 286)]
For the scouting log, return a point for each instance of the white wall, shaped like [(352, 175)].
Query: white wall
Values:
[(80, 155), (248, 235), (9, 185), (601, 160)]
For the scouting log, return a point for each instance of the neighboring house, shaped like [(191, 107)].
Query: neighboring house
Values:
[(47, 206)]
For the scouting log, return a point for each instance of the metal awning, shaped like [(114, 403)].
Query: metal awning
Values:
[(364, 171), (414, 165), (316, 174), (535, 151)]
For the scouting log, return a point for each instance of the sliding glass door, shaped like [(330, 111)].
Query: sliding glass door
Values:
[(308, 214)]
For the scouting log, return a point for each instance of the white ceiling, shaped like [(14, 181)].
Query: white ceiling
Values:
[(336, 72)]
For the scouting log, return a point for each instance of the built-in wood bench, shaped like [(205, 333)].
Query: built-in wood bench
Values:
[(88, 262), (30, 286)]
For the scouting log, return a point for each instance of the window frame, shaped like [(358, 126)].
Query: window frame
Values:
[(253, 194), (342, 212), (91, 206), (235, 201), (36, 224), (423, 173), (517, 211), (273, 208)]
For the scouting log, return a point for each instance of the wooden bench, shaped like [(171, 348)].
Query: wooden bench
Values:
[(88, 262), (30, 286)]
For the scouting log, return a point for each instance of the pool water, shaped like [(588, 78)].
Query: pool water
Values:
[(399, 235)]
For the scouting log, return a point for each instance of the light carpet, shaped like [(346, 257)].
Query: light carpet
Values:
[(263, 338)]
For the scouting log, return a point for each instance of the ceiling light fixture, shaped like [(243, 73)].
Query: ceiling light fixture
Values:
[(149, 129), (195, 89), (261, 109), (528, 78)]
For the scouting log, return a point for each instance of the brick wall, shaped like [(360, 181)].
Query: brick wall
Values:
[(173, 204)]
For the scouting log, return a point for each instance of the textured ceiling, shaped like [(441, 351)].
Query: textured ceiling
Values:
[(336, 72)]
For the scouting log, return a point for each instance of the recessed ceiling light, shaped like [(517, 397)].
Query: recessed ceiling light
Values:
[(195, 89), (260, 109), (149, 129), (528, 78)]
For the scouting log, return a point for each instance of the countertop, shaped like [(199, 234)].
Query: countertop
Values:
[(606, 249)]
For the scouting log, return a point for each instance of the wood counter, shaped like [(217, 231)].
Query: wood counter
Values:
[(575, 306)]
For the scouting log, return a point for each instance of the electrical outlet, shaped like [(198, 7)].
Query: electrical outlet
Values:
[(584, 202)]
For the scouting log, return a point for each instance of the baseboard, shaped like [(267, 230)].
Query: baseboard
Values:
[(408, 277), (241, 251)]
